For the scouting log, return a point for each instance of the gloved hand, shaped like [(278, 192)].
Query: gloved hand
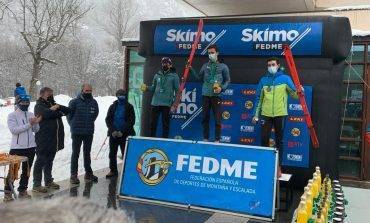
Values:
[(115, 134), (119, 134), (143, 87)]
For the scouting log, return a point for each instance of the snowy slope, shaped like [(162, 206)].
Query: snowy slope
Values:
[(62, 162)]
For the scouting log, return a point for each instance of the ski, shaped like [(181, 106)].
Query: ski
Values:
[(188, 65), (293, 72)]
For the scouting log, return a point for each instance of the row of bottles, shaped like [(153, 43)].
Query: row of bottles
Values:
[(322, 201)]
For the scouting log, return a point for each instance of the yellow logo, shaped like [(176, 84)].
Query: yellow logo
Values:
[(225, 115), (153, 166), (295, 132), (248, 104)]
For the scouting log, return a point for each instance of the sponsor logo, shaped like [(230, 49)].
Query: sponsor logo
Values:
[(225, 115), (295, 107), (228, 92), (247, 128), (295, 157), (248, 92), (153, 166), (225, 126), (188, 104), (248, 104), (292, 144), (225, 139), (222, 167), (227, 103), (295, 132), (244, 116), (247, 140), (296, 119), (271, 39)]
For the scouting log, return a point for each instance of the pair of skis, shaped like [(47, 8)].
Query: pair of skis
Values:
[(292, 68)]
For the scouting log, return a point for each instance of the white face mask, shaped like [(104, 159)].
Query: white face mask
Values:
[(272, 69), (213, 57)]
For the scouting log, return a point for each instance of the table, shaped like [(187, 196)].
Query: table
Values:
[(5, 163)]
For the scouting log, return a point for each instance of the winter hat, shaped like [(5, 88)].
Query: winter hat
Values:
[(120, 92), (166, 60), (23, 98)]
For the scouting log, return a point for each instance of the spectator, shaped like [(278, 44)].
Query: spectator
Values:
[(84, 111), (22, 124), (49, 139), (120, 121)]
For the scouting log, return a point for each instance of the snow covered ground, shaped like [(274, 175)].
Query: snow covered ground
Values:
[(62, 162)]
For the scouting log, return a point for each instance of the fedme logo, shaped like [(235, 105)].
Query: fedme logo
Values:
[(295, 157), (188, 102)]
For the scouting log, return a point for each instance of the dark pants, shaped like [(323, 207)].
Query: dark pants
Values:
[(77, 140), (44, 162), (114, 143), (26, 168), (266, 125), (156, 111), (213, 103)]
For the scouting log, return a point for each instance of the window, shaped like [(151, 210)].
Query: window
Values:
[(355, 92), (358, 53), (356, 73), (135, 72), (349, 168)]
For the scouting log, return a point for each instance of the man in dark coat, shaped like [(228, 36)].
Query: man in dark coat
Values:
[(84, 111), (120, 121), (49, 139)]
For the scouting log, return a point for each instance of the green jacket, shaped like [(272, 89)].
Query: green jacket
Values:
[(165, 87), (213, 72), (272, 95)]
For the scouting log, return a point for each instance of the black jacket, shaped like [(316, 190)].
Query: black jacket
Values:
[(83, 115), (51, 134), (129, 119)]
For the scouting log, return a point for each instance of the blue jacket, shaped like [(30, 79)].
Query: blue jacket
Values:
[(83, 113)]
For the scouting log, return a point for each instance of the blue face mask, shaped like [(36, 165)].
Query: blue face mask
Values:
[(122, 98)]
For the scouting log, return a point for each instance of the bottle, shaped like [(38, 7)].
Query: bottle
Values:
[(302, 216), (315, 186), (309, 204), (318, 172)]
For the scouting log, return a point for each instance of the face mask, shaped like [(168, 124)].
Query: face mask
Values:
[(165, 67), (51, 99), (87, 95), (272, 69), (122, 98), (23, 107), (212, 57)]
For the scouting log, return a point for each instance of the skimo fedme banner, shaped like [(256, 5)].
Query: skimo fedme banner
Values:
[(241, 39), (231, 178), (238, 103)]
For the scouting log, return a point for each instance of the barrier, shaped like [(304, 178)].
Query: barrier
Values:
[(235, 179)]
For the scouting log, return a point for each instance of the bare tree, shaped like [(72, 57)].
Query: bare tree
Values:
[(122, 20), (45, 23), (4, 7)]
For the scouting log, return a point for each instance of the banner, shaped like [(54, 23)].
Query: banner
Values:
[(222, 177), (237, 113), (263, 39)]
